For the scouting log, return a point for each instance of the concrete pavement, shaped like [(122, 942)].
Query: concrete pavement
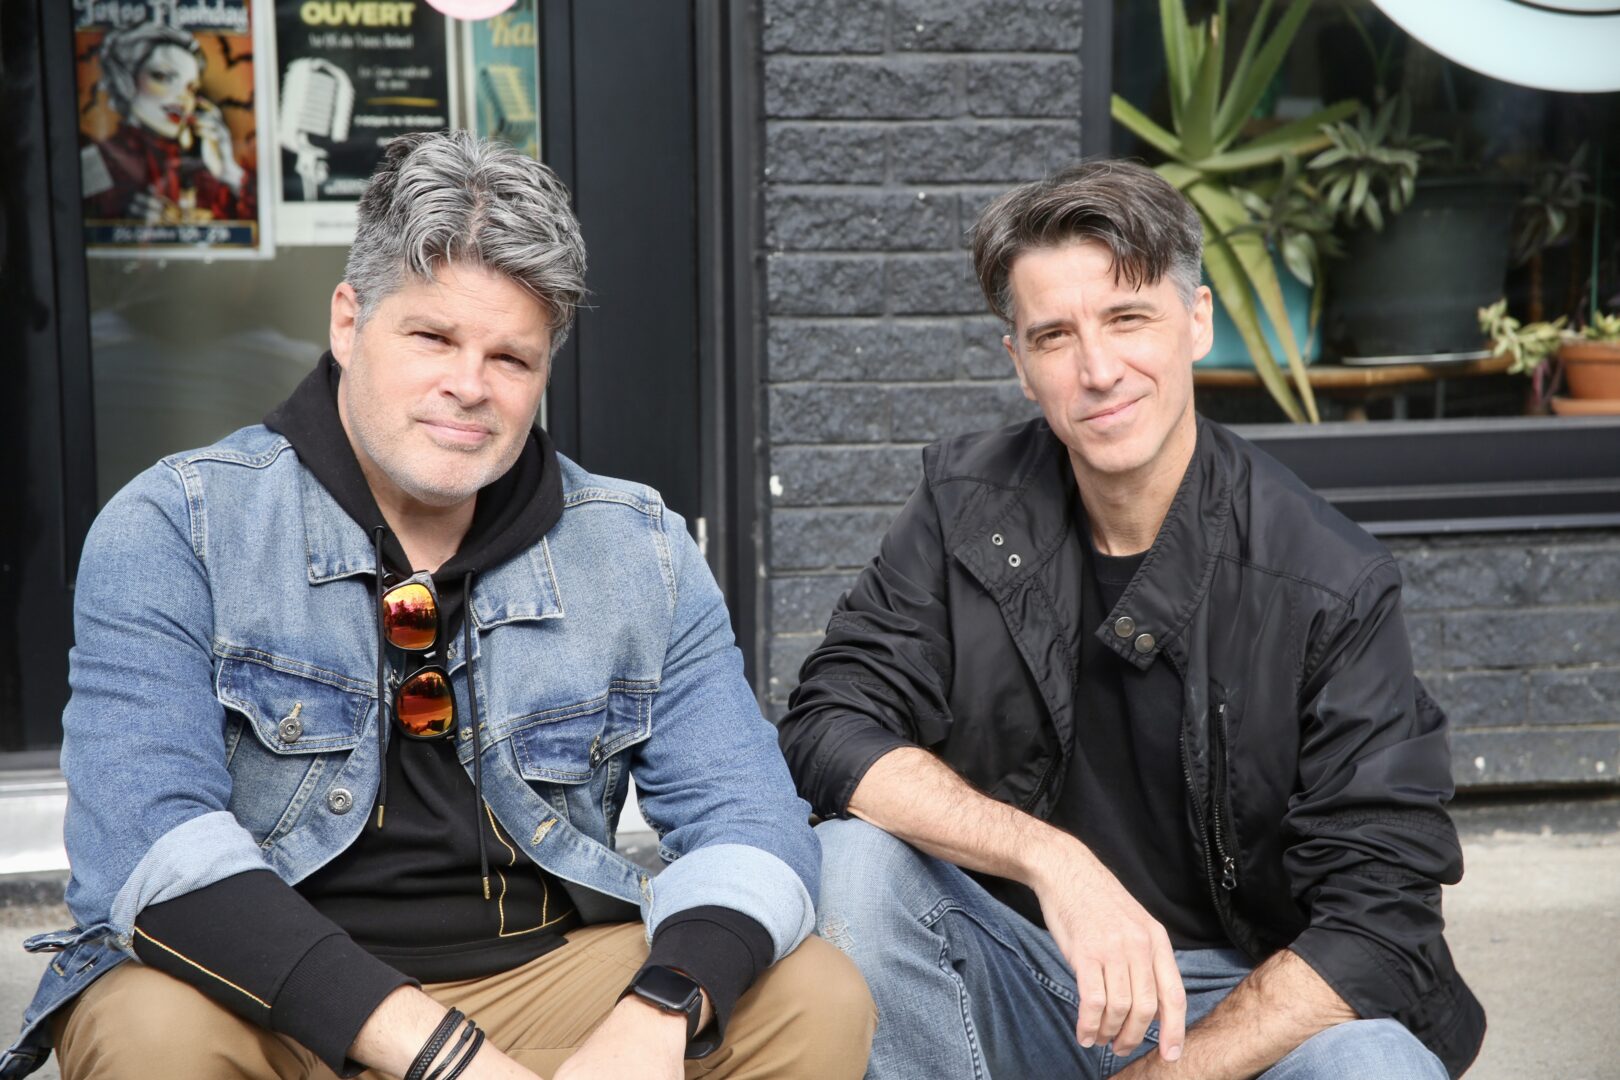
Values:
[(1534, 925)]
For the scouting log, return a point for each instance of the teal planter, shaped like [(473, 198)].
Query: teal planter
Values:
[(1229, 350)]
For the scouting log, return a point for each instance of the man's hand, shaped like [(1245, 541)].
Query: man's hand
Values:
[(1122, 960), (1123, 963), (636, 1040)]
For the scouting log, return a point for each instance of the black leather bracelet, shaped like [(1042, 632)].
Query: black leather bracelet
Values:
[(435, 1043), (476, 1036)]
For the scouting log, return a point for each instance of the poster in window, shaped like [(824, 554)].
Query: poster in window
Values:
[(170, 106), (504, 77), (353, 77)]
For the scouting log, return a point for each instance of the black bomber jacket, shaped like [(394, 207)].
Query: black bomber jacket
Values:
[(1317, 766)]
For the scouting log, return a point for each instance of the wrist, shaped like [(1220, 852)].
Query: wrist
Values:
[(654, 1026), (1050, 861)]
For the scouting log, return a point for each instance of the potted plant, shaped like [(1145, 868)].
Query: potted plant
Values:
[(1211, 162), (1591, 361), (1426, 236), (1587, 360)]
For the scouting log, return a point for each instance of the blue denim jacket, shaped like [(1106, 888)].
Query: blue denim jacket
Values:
[(223, 707)]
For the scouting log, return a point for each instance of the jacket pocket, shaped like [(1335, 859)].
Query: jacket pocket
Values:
[(293, 708), (567, 745)]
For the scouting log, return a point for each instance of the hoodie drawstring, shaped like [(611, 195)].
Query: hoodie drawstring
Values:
[(382, 678), (472, 702)]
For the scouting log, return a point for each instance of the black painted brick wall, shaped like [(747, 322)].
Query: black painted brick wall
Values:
[(887, 126), (1518, 636)]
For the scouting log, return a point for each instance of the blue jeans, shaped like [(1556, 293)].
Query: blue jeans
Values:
[(967, 988)]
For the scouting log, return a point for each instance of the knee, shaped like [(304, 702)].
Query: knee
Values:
[(127, 1023), (822, 1001), (1361, 1048), (860, 864)]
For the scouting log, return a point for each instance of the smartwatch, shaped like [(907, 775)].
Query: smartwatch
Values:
[(669, 990)]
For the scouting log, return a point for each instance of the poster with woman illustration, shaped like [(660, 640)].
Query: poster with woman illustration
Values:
[(170, 110)]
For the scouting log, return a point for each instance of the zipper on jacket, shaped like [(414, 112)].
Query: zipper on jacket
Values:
[(1203, 827), (1218, 768)]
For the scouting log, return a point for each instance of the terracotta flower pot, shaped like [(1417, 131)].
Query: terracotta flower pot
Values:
[(1592, 368)]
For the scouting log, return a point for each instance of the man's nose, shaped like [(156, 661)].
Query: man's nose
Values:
[(465, 380), (1099, 368)]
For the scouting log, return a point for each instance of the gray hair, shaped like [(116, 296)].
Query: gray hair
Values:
[(1148, 227), (124, 53), (451, 197)]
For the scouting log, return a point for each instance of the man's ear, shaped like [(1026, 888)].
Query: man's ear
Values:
[(344, 323), (1018, 365), (1203, 323)]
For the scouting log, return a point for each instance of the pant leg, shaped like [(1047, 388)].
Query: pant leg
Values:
[(807, 1016), (965, 987), (137, 1023), (1359, 1049)]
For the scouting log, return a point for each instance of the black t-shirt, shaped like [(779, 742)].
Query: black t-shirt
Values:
[(1124, 796)]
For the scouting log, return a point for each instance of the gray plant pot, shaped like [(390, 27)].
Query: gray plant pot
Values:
[(1416, 287)]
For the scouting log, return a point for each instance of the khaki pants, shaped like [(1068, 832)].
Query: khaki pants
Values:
[(808, 1016)]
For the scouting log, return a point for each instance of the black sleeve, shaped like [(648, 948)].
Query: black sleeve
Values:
[(1370, 840), (255, 946), (721, 950), (881, 677)]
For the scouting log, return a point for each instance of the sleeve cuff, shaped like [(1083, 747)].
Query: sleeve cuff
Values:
[(848, 763), (328, 997), (1357, 969), (721, 950)]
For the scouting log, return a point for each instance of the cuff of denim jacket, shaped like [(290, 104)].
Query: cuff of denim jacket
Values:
[(329, 995), (721, 950)]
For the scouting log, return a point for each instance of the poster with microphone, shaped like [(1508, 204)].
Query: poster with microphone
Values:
[(352, 77), (171, 104)]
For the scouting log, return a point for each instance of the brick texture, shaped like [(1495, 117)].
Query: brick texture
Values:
[(888, 126), (1518, 637)]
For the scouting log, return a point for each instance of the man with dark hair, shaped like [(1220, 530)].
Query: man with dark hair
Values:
[(358, 695), (1119, 735)]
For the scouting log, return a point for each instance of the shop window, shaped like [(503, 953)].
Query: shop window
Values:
[(1434, 191)]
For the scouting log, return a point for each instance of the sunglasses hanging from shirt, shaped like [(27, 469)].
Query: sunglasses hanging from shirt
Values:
[(423, 703)]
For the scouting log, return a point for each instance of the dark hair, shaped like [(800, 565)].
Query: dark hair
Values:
[(1146, 224)]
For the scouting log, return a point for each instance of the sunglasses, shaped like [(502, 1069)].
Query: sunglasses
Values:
[(424, 704)]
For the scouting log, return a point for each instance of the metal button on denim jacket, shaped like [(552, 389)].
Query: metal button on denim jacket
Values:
[(223, 707)]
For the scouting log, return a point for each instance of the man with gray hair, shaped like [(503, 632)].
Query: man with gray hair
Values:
[(1119, 735), (357, 698)]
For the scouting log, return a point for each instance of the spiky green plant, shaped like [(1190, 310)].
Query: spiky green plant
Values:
[(1373, 151), (1207, 161)]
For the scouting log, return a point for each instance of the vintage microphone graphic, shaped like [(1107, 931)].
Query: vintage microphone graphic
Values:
[(317, 98)]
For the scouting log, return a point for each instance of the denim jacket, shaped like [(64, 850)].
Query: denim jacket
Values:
[(223, 708)]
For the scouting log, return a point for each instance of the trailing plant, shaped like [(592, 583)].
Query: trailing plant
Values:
[(1210, 162), (1532, 345)]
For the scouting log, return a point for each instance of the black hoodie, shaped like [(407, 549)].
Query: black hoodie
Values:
[(405, 902)]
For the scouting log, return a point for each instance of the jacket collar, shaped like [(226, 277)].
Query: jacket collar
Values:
[(522, 587), (1021, 527)]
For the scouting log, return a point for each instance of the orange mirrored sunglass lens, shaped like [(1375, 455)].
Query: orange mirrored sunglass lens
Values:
[(424, 704), (410, 617)]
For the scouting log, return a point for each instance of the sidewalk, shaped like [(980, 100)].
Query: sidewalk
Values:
[(1535, 926)]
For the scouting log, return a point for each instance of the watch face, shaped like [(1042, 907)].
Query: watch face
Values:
[(668, 989)]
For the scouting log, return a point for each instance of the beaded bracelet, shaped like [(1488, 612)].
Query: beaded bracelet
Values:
[(435, 1043)]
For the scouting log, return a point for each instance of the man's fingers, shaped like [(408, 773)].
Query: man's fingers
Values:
[(1088, 979), (1144, 1004), (1117, 978), (1172, 1000)]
